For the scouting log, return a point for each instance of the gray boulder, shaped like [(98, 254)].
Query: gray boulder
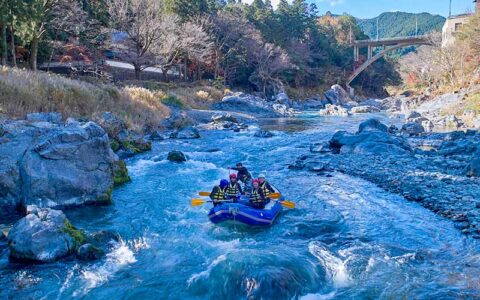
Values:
[(176, 156), (89, 252), (334, 110), (413, 129), (372, 125), (53, 166), (178, 120), (44, 235), (185, 134), (283, 110), (70, 166), (364, 109), (52, 117), (240, 102), (337, 95), (263, 134)]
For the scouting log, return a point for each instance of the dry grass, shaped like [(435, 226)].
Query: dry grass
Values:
[(198, 95), (23, 92)]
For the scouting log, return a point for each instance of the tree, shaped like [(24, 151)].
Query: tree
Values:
[(144, 25)]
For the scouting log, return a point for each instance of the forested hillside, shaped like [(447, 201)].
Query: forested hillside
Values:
[(251, 46), (400, 24)]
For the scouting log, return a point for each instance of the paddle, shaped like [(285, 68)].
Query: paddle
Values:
[(200, 202), (271, 196)]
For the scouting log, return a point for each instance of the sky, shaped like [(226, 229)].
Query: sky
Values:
[(372, 8)]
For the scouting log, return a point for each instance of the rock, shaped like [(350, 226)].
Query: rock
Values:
[(364, 109), (176, 156), (89, 252), (283, 110), (473, 168), (263, 134), (177, 121), (112, 124), (334, 110), (184, 134), (226, 117), (240, 102), (372, 125), (156, 135), (52, 117), (427, 125), (103, 237), (337, 95), (44, 235), (53, 166), (413, 129), (413, 116), (282, 98), (320, 148)]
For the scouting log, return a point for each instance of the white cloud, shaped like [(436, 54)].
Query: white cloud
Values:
[(332, 2)]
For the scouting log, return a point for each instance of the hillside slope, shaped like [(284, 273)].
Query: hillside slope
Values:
[(399, 24)]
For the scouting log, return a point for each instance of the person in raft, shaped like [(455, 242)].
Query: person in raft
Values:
[(257, 198), (233, 189), (218, 194), (265, 186), (243, 175)]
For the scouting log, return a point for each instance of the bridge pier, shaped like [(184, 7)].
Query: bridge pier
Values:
[(356, 53), (370, 52)]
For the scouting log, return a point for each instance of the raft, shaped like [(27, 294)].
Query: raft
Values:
[(241, 213)]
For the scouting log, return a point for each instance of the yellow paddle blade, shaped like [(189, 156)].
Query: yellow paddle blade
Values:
[(275, 196), (205, 194), (197, 202), (288, 204)]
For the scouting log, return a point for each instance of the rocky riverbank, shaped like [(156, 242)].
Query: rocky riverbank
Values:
[(440, 171)]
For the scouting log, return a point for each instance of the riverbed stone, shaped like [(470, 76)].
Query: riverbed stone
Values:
[(89, 252), (177, 156), (334, 110), (372, 125), (364, 109), (185, 134), (413, 129), (337, 95)]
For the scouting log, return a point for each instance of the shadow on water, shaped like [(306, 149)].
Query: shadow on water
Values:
[(346, 239)]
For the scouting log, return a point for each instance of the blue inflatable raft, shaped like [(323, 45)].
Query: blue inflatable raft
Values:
[(241, 213)]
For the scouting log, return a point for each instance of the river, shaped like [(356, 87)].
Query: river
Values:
[(347, 238)]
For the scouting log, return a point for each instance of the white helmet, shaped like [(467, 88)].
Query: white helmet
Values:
[(261, 176)]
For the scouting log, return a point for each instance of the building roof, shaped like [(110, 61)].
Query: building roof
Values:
[(460, 16)]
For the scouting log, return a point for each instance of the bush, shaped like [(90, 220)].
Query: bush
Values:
[(23, 92)]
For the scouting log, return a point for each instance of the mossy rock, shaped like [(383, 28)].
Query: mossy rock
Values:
[(120, 173), (79, 238), (115, 145)]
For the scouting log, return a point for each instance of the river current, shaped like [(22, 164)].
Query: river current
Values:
[(347, 238)]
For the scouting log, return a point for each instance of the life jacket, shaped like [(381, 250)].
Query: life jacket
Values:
[(233, 189), (256, 198), (219, 195), (265, 189)]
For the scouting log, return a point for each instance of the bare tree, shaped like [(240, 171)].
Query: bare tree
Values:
[(143, 24)]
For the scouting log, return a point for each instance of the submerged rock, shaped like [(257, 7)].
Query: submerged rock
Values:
[(263, 134), (176, 156), (44, 235), (89, 252)]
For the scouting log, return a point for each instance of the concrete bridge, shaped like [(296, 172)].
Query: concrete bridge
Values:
[(387, 45)]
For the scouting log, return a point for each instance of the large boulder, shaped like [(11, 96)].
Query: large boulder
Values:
[(334, 110), (178, 120), (337, 95), (283, 110), (241, 102), (176, 156), (372, 125), (52, 117), (372, 138), (51, 165), (44, 235)]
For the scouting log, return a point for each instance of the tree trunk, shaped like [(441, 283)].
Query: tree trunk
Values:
[(12, 46), (137, 71), (4, 45), (34, 53), (165, 74)]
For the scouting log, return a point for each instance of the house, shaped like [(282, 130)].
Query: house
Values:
[(454, 24)]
